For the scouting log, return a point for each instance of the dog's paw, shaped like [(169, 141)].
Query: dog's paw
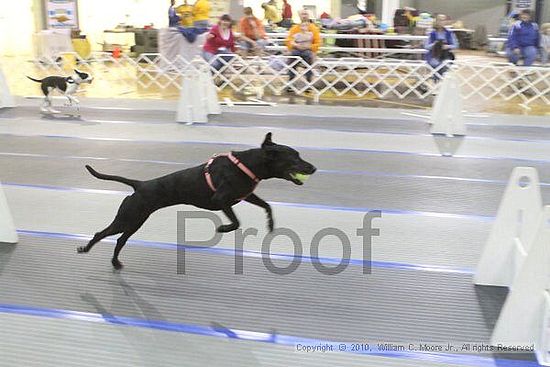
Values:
[(227, 228), (82, 249), (117, 264)]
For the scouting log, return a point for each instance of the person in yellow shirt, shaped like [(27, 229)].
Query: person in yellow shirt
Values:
[(185, 12), (201, 13), (307, 51), (272, 14)]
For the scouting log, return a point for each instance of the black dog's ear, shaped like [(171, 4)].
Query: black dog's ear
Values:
[(267, 140)]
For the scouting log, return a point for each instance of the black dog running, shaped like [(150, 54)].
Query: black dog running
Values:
[(217, 185)]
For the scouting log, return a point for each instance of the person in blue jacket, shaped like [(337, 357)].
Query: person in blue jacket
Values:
[(523, 40), (440, 44)]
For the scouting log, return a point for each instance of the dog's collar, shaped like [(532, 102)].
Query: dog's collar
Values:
[(237, 163)]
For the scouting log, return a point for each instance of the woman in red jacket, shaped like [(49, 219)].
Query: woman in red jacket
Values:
[(221, 40)]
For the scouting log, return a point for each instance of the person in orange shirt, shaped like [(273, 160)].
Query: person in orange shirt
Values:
[(254, 31), (307, 51)]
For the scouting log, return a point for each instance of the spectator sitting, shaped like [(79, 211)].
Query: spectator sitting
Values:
[(253, 31), (173, 18), (523, 40), (221, 40), (545, 42), (271, 14), (201, 14), (304, 38), (306, 51), (440, 44)]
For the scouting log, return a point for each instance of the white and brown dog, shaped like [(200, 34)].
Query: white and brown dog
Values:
[(67, 86)]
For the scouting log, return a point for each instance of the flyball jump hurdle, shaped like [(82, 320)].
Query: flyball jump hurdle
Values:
[(198, 97), (8, 234), (7, 229), (6, 99), (517, 256), (447, 117)]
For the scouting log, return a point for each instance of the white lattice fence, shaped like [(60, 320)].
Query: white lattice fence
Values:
[(102, 65), (382, 79), (529, 84)]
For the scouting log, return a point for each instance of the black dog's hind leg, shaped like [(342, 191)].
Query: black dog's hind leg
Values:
[(253, 199), (109, 231), (47, 101), (131, 215), (119, 245), (117, 226)]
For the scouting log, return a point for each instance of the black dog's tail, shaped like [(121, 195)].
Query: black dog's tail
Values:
[(34, 80), (134, 183)]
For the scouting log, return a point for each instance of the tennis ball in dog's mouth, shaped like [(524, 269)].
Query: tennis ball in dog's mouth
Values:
[(300, 177)]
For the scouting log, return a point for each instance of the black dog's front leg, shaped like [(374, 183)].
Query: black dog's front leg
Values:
[(234, 221), (224, 201), (253, 199)]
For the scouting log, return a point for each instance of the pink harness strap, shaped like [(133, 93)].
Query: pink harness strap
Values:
[(237, 163)]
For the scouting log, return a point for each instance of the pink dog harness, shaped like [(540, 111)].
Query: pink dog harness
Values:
[(237, 163)]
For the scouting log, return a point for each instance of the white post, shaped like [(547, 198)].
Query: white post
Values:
[(191, 104), (524, 317), (210, 93), (6, 99), (388, 11), (447, 117), (513, 231), (8, 234)]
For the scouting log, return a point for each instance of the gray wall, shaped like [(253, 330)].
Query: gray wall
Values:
[(471, 12), (546, 12), (349, 7)]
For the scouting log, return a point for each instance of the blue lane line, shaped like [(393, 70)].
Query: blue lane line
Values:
[(345, 130), (256, 254), (70, 189), (417, 121), (327, 171), (247, 335), (485, 218), (320, 149), (384, 132)]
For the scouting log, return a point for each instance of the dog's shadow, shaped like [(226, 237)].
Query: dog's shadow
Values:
[(142, 338), (77, 119), (124, 298), (127, 304), (6, 250)]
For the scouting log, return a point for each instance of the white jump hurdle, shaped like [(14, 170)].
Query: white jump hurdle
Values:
[(198, 97), (447, 117), (517, 255), (513, 231), (8, 234), (6, 99), (525, 317)]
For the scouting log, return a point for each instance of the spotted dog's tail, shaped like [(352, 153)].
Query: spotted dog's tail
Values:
[(35, 80)]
